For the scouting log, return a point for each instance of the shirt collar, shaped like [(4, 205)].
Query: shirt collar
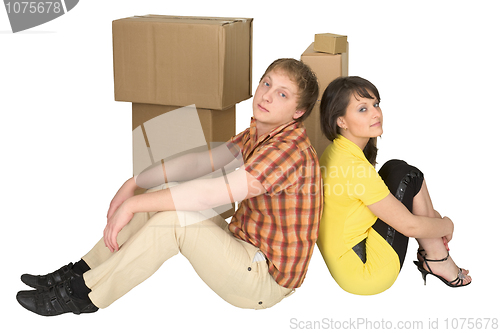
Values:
[(253, 130), (349, 146)]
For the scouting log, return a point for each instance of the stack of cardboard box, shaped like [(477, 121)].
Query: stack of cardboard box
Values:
[(163, 63), (328, 58)]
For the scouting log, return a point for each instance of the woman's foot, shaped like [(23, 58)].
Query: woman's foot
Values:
[(420, 257), (444, 268)]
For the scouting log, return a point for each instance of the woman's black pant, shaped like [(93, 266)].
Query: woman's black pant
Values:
[(404, 182)]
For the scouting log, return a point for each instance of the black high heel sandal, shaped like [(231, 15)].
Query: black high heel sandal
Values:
[(458, 282)]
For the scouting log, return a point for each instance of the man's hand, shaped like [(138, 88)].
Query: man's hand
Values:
[(125, 192), (118, 220)]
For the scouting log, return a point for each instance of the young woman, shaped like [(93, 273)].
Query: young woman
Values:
[(368, 216)]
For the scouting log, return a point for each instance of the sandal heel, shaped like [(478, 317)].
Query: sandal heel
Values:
[(424, 276), (422, 271)]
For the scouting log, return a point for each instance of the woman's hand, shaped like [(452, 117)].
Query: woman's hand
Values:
[(125, 192), (447, 238), (445, 242), (120, 218)]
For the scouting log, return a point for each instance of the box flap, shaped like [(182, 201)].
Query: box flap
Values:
[(189, 19)]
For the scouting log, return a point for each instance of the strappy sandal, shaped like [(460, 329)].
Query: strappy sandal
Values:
[(458, 282), (421, 253)]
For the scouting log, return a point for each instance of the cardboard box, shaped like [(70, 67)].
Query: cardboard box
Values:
[(172, 136), (172, 60), (327, 68), (161, 131), (330, 43)]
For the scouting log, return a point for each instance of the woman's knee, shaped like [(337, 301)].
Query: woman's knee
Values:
[(393, 172), (403, 180)]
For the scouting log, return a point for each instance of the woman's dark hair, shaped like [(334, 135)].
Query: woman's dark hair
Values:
[(334, 103)]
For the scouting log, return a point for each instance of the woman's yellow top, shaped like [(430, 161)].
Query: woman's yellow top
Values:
[(351, 184)]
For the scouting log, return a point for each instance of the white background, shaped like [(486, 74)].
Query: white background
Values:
[(66, 149)]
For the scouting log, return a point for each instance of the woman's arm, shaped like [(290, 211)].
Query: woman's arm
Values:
[(394, 213)]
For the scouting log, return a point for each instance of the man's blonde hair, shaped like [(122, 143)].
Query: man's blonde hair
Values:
[(303, 77)]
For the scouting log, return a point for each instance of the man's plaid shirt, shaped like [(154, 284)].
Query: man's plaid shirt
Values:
[(283, 222)]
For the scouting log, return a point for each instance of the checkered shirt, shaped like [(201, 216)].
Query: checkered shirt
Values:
[(283, 222)]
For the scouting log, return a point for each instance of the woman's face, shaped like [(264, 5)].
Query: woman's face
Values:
[(362, 121)]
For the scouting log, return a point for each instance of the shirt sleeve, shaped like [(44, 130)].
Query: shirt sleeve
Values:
[(275, 167), (235, 144), (367, 185)]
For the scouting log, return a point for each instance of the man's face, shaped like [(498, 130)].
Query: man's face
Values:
[(275, 100)]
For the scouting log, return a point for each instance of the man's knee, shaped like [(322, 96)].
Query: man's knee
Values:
[(181, 222)]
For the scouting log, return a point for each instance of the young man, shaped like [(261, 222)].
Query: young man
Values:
[(253, 262)]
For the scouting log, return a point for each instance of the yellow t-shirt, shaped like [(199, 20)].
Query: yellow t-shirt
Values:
[(351, 184)]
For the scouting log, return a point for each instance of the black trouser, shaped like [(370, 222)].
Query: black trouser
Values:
[(404, 182)]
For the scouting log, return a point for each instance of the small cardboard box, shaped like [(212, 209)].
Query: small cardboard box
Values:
[(173, 60), (162, 131), (327, 68), (330, 43)]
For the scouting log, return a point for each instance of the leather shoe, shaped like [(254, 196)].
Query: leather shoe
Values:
[(44, 282), (55, 300)]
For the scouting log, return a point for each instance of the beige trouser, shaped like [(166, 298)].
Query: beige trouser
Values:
[(225, 263)]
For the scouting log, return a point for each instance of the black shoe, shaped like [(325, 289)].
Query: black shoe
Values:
[(55, 301), (44, 282)]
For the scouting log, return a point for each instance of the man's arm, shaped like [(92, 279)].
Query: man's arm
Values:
[(182, 168), (185, 167), (199, 194), (196, 195)]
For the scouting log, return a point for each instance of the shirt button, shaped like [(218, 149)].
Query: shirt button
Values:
[(249, 269)]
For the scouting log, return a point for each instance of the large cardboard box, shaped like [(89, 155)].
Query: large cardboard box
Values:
[(327, 68), (162, 131), (172, 60)]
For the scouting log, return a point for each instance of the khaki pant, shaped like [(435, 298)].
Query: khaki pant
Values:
[(225, 263)]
